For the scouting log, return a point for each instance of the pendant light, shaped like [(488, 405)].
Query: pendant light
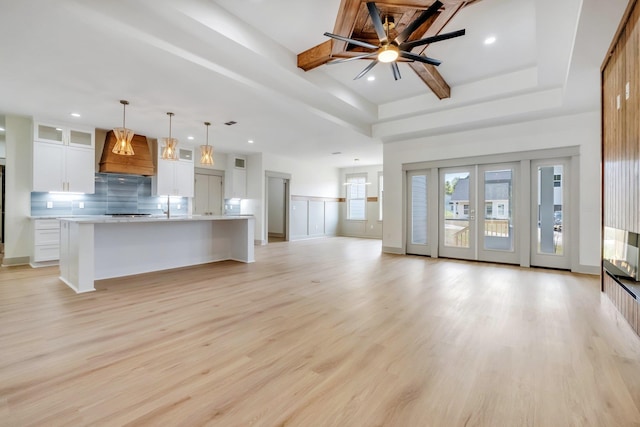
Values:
[(123, 136), (206, 151), (169, 151)]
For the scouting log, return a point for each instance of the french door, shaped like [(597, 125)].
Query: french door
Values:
[(477, 215), (418, 237), (463, 212), (550, 230)]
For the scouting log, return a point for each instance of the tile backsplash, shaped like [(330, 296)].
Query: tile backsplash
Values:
[(114, 193)]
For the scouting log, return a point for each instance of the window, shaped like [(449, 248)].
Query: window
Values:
[(356, 196), (488, 209), (465, 209), (380, 193), (557, 180), (501, 211)]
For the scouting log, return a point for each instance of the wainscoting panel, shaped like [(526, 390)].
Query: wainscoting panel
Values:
[(313, 217), (299, 219)]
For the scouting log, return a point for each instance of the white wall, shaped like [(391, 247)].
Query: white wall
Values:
[(253, 204), (18, 234), (582, 130), (308, 218), (307, 178)]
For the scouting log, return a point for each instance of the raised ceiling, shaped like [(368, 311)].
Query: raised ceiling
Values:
[(237, 60)]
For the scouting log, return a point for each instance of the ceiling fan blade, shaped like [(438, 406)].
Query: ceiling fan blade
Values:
[(420, 58), (377, 22), (428, 40), (396, 71), (340, 61), (404, 35), (366, 70), (352, 41)]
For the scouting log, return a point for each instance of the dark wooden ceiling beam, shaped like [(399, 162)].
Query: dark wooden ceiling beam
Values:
[(345, 24), (428, 73)]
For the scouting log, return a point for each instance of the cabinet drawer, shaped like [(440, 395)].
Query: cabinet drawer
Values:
[(46, 253), (47, 237), (45, 224)]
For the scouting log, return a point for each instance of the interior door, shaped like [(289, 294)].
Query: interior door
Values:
[(457, 218), (497, 213), (417, 213), (550, 230)]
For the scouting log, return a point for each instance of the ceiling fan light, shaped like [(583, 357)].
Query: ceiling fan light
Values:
[(388, 53)]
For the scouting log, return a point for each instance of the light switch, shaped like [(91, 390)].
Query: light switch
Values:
[(49, 205), (618, 102)]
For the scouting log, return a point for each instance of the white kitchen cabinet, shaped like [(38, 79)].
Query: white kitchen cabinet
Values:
[(63, 159), (235, 180), (64, 135), (175, 177), (46, 241)]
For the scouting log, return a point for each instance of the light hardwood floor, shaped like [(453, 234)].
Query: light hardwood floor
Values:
[(326, 332)]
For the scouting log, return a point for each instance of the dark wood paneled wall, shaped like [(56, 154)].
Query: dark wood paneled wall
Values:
[(621, 127)]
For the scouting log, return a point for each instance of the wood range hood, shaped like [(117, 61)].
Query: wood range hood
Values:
[(140, 163)]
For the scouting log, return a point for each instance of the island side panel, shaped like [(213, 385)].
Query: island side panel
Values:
[(242, 245), (77, 256), (127, 248)]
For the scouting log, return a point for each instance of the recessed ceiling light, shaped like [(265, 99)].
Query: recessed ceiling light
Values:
[(490, 40), (371, 78), (75, 114), (59, 129), (190, 138), (250, 141)]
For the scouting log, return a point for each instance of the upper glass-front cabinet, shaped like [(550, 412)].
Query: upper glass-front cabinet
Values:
[(49, 133), (64, 135), (81, 138)]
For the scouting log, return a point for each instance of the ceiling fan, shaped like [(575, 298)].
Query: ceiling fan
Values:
[(389, 51)]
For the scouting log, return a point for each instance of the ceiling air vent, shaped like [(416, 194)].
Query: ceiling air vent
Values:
[(230, 123)]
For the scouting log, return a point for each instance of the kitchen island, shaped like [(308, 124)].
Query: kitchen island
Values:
[(104, 247)]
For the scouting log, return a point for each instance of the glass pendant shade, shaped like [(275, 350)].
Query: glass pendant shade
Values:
[(169, 151), (206, 151), (123, 136)]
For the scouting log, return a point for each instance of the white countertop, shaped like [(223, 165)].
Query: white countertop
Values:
[(109, 219)]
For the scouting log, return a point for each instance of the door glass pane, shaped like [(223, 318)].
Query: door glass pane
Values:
[(419, 209), (550, 218), (456, 209), (498, 206)]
